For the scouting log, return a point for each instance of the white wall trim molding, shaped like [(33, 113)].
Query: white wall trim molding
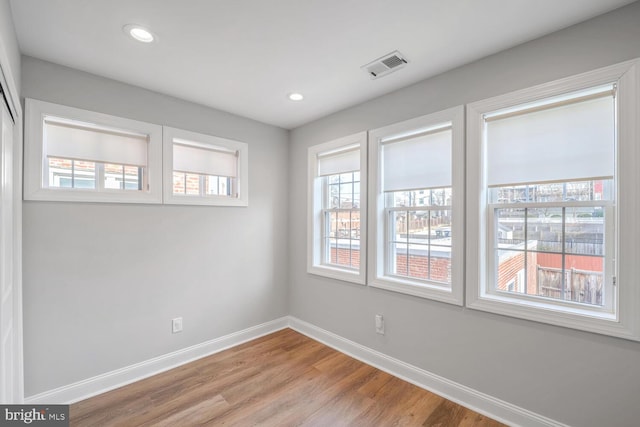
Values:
[(120, 377), (480, 402)]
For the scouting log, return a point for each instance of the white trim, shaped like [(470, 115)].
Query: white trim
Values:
[(34, 160), (18, 360), (627, 323), (377, 224), (8, 82), (314, 208), (485, 404), (477, 401), (120, 377), (203, 140)]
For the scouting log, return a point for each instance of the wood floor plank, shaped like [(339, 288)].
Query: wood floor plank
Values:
[(202, 413), (372, 388), (282, 379), (447, 414)]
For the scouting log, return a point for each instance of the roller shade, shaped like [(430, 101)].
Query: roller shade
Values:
[(575, 141), (205, 161), (423, 161), (79, 141), (342, 161)]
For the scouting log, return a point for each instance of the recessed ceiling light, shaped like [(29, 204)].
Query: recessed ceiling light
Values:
[(139, 33), (296, 96)]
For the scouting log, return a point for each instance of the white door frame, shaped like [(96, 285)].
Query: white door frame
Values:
[(11, 95)]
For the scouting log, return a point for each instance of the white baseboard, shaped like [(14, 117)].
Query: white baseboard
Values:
[(111, 380), (492, 407), (497, 409)]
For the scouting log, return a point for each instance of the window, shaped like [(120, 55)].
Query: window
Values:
[(337, 209), (552, 175), (204, 170), (417, 229), (78, 155)]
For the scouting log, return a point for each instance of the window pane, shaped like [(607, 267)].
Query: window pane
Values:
[(586, 282), (584, 231), (84, 174), (581, 280), (334, 195), (212, 185), (550, 278), (179, 183), (66, 173), (510, 225), (511, 271), (333, 248), (344, 224), (342, 244), (346, 195), (113, 176), (544, 229), (192, 184), (60, 172), (398, 225), (553, 192), (440, 225), (440, 263), (132, 175)]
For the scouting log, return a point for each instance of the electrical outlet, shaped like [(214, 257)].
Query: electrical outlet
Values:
[(176, 325), (379, 324)]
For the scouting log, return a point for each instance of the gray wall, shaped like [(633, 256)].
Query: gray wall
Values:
[(9, 43), (578, 378), (102, 281)]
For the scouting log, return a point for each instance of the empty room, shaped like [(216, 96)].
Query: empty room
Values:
[(320, 213)]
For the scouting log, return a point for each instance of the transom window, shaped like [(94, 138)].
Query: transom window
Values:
[(79, 155), (204, 169), (86, 156)]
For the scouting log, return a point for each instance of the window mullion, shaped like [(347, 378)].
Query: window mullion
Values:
[(564, 265), (526, 247)]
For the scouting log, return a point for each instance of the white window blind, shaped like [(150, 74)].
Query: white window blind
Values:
[(205, 161), (567, 141), (80, 141), (342, 161), (422, 161)]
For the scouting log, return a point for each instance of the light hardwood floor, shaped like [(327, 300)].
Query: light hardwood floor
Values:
[(282, 379)]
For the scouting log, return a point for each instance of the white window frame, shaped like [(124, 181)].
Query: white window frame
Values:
[(624, 320), (200, 140), (315, 206), (35, 157), (378, 220)]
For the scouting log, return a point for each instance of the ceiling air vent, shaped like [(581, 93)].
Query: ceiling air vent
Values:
[(385, 65)]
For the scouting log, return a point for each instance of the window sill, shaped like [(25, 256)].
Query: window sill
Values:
[(352, 276), (92, 196), (423, 290), (553, 314), (205, 200)]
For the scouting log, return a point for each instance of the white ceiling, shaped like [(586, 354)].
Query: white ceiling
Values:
[(245, 56)]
